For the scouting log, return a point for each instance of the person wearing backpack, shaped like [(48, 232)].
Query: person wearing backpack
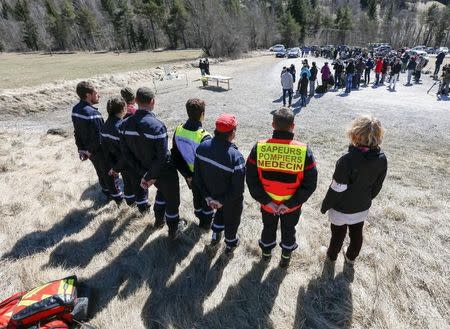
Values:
[(357, 180)]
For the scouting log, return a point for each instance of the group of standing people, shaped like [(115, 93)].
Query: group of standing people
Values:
[(306, 84), (203, 65), (350, 73), (280, 171)]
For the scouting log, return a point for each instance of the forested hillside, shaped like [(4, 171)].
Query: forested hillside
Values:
[(220, 27)]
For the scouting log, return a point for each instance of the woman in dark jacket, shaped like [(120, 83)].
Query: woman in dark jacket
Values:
[(357, 180)]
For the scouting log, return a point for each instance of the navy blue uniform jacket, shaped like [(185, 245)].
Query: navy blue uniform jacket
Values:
[(219, 170), (144, 144), (87, 122), (111, 144)]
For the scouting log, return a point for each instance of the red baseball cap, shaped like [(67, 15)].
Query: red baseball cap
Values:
[(226, 123)]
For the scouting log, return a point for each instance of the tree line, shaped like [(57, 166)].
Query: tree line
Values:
[(219, 27)]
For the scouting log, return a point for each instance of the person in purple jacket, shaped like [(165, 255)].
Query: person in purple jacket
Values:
[(326, 74)]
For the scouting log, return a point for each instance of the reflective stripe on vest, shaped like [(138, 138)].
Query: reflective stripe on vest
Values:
[(285, 157), (187, 142)]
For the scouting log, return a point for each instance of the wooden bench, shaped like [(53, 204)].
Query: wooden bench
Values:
[(219, 79)]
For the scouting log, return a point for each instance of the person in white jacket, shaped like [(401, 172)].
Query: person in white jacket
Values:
[(287, 83)]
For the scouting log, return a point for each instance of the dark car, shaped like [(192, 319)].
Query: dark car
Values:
[(280, 53), (293, 52)]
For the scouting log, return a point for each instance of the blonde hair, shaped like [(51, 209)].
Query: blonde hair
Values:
[(366, 131)]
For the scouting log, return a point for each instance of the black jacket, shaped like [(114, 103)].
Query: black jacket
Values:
[(440, 58), (304, 191), (363, 172), (111, 144), (177, 157), (313, 71), (350, 69), (411, 65), (396, 68), (87, 122), (143, 140)]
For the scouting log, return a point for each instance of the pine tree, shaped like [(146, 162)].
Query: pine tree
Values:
[(176, 23), (2, 46), (153, 10), (6, 10), (300, 11), (364, 4), (88, 25), (21, 10), (142, 39), (30, 34), (289, 30), (372, 9), (108, 6)]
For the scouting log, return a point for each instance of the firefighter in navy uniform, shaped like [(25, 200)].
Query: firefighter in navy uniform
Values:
[(87, 123), (281, 176), (144, 144), (117, 110), (186, 139), (219, 173)]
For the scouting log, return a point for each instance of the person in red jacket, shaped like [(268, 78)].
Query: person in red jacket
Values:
[(378, 69), (281, 176)]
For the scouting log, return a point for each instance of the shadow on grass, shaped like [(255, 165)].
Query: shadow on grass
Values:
[(327, 301), (140, 264), (181, 303), (74, 222), (80, 253), (248, 303)]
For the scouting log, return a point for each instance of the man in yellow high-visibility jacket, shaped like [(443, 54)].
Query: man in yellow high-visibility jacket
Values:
[(186, 139)]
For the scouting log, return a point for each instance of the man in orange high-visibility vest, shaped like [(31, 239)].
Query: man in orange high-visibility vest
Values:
[(281, 176)]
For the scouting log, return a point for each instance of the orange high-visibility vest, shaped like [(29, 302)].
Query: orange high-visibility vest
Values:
[(280, 165)]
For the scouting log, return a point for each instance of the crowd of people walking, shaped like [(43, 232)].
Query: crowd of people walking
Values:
[(280, 171)]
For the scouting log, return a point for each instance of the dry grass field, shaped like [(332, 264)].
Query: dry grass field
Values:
[(54, 222), (27, 70)]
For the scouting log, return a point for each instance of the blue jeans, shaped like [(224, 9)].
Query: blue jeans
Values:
[(349, 82), (303, 99), (289, 92)]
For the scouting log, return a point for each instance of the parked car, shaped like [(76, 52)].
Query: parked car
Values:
[(281, 53), (413, 52), (382, 50), (430, 50), (372, 46), (421, 48), (293, 52), (444, 49), (276, 48)]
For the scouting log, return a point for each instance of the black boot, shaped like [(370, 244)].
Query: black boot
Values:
[(159, 222), (285, 259), (266, 256), (176, 230), (215, 239)]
